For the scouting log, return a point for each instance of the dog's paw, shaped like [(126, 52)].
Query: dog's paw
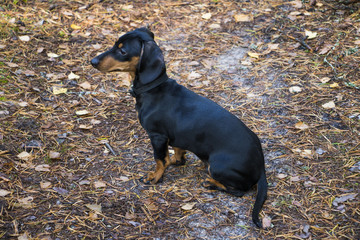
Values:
[(180, 162), (149, 180)]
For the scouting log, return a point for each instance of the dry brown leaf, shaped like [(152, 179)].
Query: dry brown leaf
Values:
[(86, 85), (242, 18), (266, 222), (94, 207), (44, 184), (301, 126), (329, 105), (4, 192), (281, 175), (99, 184), (24, 155), (188, 206), (54, 155), (325, 49), (42, 168)]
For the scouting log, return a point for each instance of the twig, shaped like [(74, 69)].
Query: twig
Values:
[(110, 148), (301, 41)]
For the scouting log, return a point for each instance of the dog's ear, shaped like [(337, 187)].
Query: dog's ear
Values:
[(152, 63)]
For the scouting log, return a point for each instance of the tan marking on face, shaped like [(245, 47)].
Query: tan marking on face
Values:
[(110, 64), (120, 45)]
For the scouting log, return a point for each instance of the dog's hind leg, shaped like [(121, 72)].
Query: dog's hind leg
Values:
[(179, 157)]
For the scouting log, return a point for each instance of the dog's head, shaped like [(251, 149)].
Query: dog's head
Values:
[(135, 52)]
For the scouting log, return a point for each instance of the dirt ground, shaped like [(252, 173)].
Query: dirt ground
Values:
[(72, 150)]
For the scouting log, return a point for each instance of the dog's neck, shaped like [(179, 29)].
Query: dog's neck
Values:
[(138, 88)]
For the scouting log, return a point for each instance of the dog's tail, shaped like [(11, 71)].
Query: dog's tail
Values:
[(260, 199)]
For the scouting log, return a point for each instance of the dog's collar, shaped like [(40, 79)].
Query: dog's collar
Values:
[(136, 91)]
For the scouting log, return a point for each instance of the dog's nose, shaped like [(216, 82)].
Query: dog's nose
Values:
[(95, 62)]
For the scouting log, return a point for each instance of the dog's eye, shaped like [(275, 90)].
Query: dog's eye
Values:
[(122, 51)]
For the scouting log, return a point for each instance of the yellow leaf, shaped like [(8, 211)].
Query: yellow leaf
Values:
[(59, 90), (334, 85), (253, 55), (75, 27)]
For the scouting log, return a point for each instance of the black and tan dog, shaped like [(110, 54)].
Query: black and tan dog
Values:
[(173, 115)]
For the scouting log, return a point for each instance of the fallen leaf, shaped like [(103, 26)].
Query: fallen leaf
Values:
[(301, 126), (273, 46), (215, 26), (329, 105), (45, 185), (24, 236), (85, 85), (82, 112), (295, 179), (123, 178), (242, 18), (85, 127), (295, 89), (306, 153), (54, 155), (52, 55), (188, 206), (281, 175), (130, 216), (24, 38), (253, 55), (325, 49), (194, 75), (26, 202), (357, 42), (29, 73), (310, 34), (60, 190), (73, 76), (24, 155), (296, 4), (99, 184), (266, 222), (94, 207), (84, 182), (334, 85), (11, 64), (59, 90), (206, 16), (4, 192), (75, 27), (42, 168), (93, 215), (325, 79), (344, 198)]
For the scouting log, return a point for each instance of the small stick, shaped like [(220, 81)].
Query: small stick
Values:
[(110, 148)]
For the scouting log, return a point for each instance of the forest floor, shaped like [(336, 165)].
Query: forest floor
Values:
[(72, 150)]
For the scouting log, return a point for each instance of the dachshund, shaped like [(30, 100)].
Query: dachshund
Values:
[(173, 115)]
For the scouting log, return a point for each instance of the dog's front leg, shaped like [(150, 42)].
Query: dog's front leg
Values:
[(162, 159)]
